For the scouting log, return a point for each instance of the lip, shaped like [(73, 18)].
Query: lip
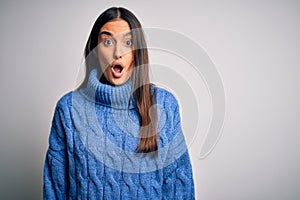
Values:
[(117, 71)]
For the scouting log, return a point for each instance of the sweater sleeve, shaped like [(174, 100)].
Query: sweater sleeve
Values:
[(178, 180), (55, 169)]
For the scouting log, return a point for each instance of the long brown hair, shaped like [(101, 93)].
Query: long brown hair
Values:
[(140, 76)]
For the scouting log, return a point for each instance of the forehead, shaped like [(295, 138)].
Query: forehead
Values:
[(116, 27)]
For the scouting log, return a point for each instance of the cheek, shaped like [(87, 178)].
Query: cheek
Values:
[(129, 58), (105, 56)]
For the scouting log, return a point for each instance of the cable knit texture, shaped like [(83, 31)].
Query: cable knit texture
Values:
[(93, 142)]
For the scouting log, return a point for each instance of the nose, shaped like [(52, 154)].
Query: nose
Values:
[(118, 51)]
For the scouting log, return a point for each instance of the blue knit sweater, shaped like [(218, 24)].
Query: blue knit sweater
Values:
[(93, 142)]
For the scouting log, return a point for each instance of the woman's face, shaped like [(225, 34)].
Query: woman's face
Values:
[(115, 51)]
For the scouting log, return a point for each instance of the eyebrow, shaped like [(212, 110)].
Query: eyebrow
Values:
[(110, 34)]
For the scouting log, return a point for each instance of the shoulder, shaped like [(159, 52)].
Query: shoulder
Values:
[(169, 120), (62, 112), (65, 101), (164, 97), (167, 107)]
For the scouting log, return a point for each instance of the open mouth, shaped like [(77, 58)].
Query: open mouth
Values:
[(117, 69)]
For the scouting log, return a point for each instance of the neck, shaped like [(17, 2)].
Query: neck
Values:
[(104, 93), (104, 80)]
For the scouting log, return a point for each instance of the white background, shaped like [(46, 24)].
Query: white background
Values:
[(254, 44)]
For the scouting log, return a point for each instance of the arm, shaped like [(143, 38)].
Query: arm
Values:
[(55, 168), (178, 177)]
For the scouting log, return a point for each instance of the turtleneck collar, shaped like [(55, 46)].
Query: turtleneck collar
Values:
[(108, 95)]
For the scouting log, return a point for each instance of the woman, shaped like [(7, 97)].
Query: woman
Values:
[(117, 136)]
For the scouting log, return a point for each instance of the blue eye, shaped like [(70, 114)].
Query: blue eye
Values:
[(128, 43), (107, 42)]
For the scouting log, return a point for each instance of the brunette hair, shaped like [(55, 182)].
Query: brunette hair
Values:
[(140, 76)]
